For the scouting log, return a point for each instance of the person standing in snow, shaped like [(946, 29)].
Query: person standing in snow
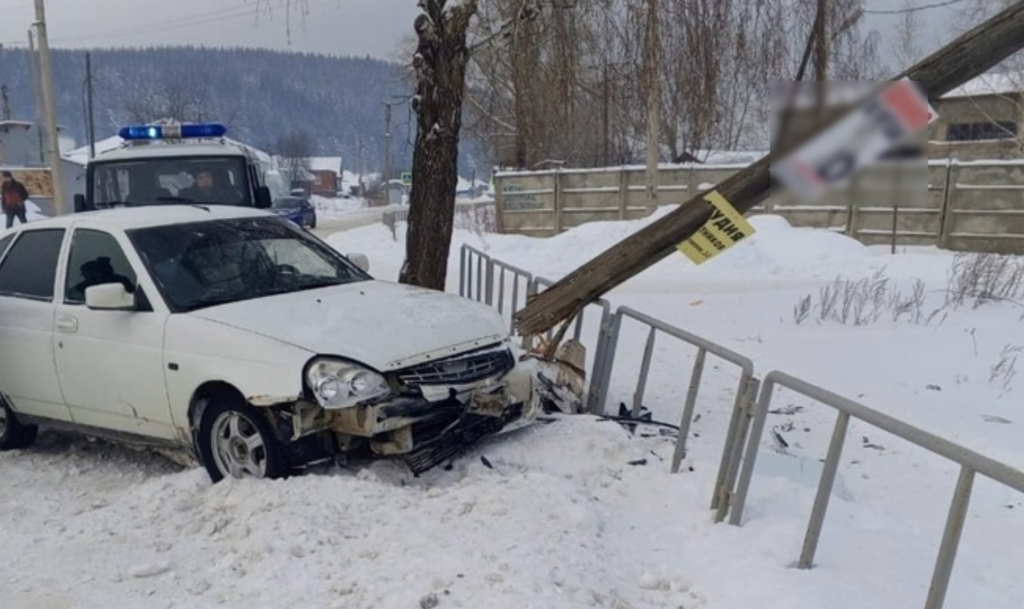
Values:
[(13, 196)]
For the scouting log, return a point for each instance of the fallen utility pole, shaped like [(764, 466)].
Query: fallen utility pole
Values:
[(967, 57)]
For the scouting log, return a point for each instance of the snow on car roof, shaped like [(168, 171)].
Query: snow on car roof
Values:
[(128, 218)]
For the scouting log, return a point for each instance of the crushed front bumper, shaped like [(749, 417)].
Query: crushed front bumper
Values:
[(428, 424)]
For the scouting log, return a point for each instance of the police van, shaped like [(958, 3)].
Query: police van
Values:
[(176, 164)]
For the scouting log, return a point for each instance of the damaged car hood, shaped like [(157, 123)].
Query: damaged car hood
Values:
[(380, 324)]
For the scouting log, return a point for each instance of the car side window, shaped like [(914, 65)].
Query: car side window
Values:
[(96, 258), (30, 268)]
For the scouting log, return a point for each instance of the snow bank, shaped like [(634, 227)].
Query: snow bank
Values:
[(775, 249)]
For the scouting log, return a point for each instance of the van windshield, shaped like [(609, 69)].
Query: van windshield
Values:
[(211, 180)]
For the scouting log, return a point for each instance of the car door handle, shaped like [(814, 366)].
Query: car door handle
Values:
[(67, 324)]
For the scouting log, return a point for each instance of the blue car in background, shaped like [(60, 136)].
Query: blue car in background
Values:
[(297, 209)]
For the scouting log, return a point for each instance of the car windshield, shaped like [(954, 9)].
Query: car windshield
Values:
[(287, 203), (203, 264), (215, 180)]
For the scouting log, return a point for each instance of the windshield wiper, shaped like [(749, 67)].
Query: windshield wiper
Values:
[(175, 199)]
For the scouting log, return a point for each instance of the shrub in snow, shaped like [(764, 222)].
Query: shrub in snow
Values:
[(862, 301), (974, 279), (982, 278)]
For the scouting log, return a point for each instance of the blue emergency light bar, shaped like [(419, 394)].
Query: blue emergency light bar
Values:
[(172, 132)]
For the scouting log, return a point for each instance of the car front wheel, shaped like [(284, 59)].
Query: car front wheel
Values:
[(236, 441), (13, 434)]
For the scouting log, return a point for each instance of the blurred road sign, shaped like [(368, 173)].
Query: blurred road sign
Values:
[(888, 119)]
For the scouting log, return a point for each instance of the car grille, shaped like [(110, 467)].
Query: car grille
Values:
[(460, 370)]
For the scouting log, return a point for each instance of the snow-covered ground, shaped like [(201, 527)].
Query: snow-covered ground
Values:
[(578, 513)]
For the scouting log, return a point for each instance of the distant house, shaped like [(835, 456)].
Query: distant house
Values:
[(22, 152), (980, 119), (326, 172)]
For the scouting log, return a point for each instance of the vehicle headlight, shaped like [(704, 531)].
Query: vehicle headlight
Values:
[(337, 383)]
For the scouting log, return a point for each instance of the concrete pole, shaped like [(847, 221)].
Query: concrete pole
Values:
[(60, 204)]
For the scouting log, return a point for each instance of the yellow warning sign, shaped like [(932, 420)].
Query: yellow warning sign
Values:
[(726, 228)]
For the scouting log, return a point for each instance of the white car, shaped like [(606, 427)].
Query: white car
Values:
[(232, 334)]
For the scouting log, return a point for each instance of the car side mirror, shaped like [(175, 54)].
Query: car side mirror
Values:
[(361, 261), (109, 297), (263, 198), (80, 204)]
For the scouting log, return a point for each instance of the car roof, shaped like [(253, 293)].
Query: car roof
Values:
[(129, 218), (159, 149)]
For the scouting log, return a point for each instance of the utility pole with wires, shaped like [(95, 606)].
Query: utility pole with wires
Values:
[(90, 117), (362, 168), (49, 112), (386, 178), (37, 91)]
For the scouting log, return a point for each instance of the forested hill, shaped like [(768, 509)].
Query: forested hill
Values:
[(260, 94)]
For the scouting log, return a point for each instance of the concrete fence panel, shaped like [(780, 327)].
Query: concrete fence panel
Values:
[(967, 206)]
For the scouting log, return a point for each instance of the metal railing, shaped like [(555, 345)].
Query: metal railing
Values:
[(484, 279), (971, 463), (749, 417), (473, 262), (742, 412), (463, 211)]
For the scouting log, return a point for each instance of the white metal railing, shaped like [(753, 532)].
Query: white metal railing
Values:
[(479, 274), (971, 463), (750, 410)]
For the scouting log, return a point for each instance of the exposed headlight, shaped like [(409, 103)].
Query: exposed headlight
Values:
[(340, 384)]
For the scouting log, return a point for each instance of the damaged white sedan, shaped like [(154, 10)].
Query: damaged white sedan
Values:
[(255, 347)]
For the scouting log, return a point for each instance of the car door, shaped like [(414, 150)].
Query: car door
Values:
[(110, 363), (28, 272)]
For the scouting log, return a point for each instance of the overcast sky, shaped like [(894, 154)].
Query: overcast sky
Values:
[(341, 27), (345, 27)]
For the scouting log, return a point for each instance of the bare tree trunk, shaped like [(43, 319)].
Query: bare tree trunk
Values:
[(440, 64)]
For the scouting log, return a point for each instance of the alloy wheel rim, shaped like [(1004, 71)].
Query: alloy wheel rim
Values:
[(238, 447)]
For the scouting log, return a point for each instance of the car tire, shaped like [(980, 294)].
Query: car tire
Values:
[(235, 439), (14, 435)]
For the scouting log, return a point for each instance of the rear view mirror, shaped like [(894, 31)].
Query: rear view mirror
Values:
[(263, 198), (109, 297), (361, 261)]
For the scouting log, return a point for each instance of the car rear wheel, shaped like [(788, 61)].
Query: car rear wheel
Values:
[(236, 441), (13, 434)]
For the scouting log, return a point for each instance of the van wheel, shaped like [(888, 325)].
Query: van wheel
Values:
[(14, 435), (236, 440)]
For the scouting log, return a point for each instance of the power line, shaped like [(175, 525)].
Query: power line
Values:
[(913, 9)]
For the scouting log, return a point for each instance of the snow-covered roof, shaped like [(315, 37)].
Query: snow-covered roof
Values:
[(6, 124), (325, 163), (988, 84)]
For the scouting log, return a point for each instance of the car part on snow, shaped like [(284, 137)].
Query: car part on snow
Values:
[(562, 377), (626, 417), (466, 432)]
